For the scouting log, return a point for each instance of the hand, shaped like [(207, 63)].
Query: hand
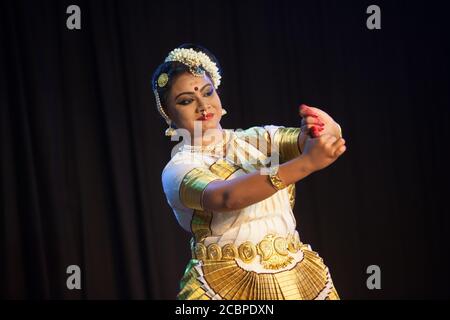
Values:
[(322, 151), (316, 122)]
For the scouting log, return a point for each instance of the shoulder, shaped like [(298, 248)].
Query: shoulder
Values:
[(181, 163), (174, 172)]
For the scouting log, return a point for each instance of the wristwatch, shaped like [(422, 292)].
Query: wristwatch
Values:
[(274, 179)]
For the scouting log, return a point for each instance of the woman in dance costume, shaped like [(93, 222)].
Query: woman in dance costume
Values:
[(235, 190)]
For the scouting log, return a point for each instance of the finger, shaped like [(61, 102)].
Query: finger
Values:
[(338, 143), (330, 140), (312, 110), (305, 128), (340, 151), (313, 120), (315, 131), (305, 111), (305, 107), (324, 138), (308, 127), (308, 114)]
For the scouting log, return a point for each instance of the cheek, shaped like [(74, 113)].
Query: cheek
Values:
[(216, 102), (186, 116)]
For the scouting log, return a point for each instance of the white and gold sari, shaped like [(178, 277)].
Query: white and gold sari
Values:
[(251, 253)]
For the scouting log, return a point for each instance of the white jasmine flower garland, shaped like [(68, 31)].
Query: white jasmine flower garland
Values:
[(194, 60)]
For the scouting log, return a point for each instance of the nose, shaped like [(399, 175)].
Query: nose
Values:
[(202, 106)]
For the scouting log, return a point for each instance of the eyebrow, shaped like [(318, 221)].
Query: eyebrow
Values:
[(190, 92)]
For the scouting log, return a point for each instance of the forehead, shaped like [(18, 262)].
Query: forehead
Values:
[(187, 81)]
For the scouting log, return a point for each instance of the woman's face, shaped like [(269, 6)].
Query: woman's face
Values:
[(190, 98)]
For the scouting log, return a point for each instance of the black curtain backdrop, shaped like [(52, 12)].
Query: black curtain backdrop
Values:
[(83, 147)]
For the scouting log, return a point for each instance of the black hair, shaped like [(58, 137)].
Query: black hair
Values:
[(175, 69)]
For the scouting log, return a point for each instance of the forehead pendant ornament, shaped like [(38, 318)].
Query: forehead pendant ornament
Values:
[(197, 71)]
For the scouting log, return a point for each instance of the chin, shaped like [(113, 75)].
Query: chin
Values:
[(211, 125)]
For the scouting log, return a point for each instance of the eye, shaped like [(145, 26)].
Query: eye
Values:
[(185, 102), (209, 93)]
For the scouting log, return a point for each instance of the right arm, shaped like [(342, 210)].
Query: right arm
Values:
[(235, 194)]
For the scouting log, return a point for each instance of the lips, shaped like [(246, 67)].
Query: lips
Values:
[(206, 117)]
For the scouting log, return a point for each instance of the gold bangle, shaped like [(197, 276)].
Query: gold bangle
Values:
[(275, 180)]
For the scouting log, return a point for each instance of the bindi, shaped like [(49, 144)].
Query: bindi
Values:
[(196, 88)]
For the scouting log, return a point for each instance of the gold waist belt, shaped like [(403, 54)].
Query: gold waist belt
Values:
[(273, 251)]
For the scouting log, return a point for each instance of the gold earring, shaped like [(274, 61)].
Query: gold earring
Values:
[(170, 131), (224, 112)]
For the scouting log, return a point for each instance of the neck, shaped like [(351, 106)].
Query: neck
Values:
[(210, 136)]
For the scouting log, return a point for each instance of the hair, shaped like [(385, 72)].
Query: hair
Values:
[(174, 69)]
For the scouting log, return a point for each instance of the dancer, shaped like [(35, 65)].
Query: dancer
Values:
[(235, 190)]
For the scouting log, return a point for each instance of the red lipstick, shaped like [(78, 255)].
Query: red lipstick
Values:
[(206, 117)]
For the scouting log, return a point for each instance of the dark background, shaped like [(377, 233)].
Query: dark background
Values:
[(82, 145)]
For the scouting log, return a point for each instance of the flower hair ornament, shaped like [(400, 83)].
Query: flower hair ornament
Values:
[(198, 62)]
